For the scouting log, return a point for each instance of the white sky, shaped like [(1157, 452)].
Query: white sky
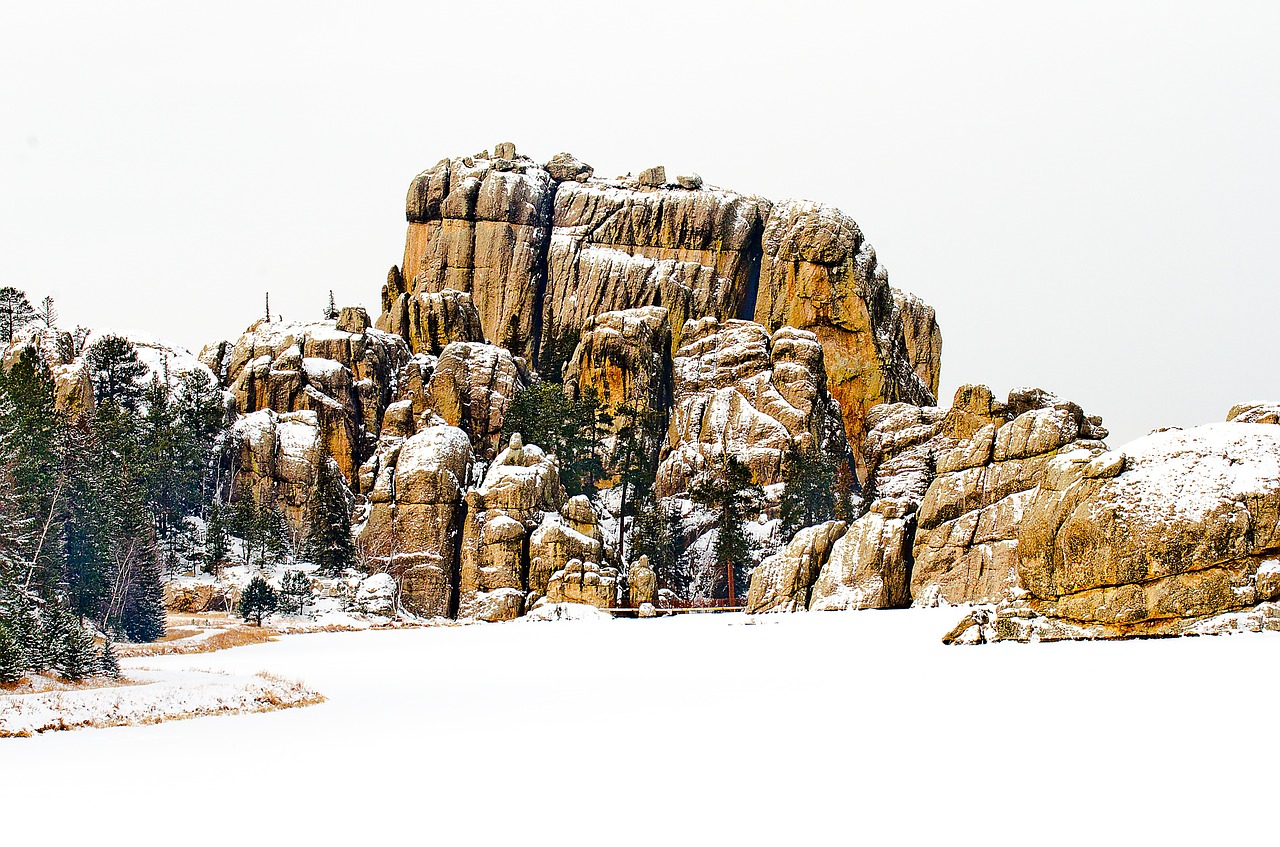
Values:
[(1087, 193)]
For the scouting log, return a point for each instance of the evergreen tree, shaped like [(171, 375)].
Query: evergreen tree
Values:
[(258, 600), (657, 534), (215, 539), (847, 491), (573, 430), (808, 494), (557, 351), (329, 542), (732, 495), (13, 659), (116, 370), (634, 461), (295, 592), (108, 663), (15, 313), (75, 657), (331, 311), (244, 523), (46, 314)]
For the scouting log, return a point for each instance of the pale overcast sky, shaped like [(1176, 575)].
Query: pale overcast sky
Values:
[(1086, 192)]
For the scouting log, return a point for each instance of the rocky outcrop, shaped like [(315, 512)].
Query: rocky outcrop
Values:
[(781, 582), (584, 582), (277, 459), (819, 273), (480, 224), (922, 336), (869, 567), (430, 321), (1176, 532), (345, 376), (966, 541), (738, 391), (471, 387), (572, 534), (415, 519), (1262, 413), (642, 584), (623, 357), (521, 487), (619, 245)]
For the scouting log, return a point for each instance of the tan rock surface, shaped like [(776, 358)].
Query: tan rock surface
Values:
[(869, 567), (414, 525), (584, 582), (818, 273), (471, 387), (277, 457), (481, 225), (616, 247), (429, 322), (737, 391), (1187, 527), (781, 582), (623, 357)]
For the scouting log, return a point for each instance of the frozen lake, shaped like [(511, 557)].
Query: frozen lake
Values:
[(830, 727)]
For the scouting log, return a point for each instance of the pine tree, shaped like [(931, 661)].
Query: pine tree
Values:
[(634, 461), (329, 542), (657, 534), (808, 494), (258, 600), (116, 370), (331, 311), (47, 314), (75, 657), (244, 523), (295, 592), (215, 539), (108, 663), (13, 659), (15, 313), (573, 430), (731, 494)]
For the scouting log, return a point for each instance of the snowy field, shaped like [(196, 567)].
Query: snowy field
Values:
[(809, 728)]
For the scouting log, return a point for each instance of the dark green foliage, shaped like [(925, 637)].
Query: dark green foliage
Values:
[(257, 601), (571, 429), (295, 592), (634, 461), (75, 657), (116, 371), (331, 310), (215, 539), (15, 313), (329, 542), (657, 534), (809, 491), (262, 529), (13, 659), (731, 494), (108, 663), (142, 615), (557, 351), (847, 491)]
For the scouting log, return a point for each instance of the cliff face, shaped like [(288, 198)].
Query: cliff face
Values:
[(544, 250)]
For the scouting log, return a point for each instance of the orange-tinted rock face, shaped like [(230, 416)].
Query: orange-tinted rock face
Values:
[(819, 273)]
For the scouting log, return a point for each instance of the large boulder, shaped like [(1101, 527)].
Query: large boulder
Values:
[(819, 273), (584, 582), (471, 387), (278, 456), (415, 519), (869, 566), (521, 487), (738, 391), (966, 542), (1153, 539), (624, 358), (781, 582)]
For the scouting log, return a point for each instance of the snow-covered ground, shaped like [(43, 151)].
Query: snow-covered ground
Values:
[(855, 727)]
